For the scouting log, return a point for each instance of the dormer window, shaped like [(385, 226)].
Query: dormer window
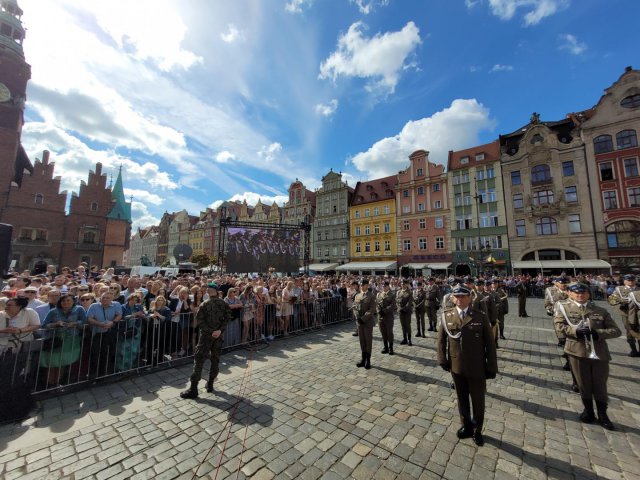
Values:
[(479, 157), (536, 139), (632, 101), (464, 160), (39, 199)]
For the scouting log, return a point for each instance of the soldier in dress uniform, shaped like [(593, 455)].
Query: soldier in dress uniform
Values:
[(628, 305), (420, 307), (586, 326), (521, 290), (554, 294), (433, 303), (467, 348), (501, 300), (212, 318), (404, 301), (364, 307), (386, 307)]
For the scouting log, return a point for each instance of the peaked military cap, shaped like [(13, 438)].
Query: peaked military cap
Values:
[(578, 287), (561, 280), (629, 276), (461, 290)]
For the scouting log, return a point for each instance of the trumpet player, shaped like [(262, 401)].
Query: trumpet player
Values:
[(552, 295), (626, 298), (586, 327)]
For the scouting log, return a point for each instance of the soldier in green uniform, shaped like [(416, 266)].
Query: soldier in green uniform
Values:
[(622, 298), (364, 307), (552, 295), (466, 347), (212, 318), (433, 303), (521, 290), (586, 326), (501, 300), (420, 307), (404, 301), (485, 301), (386, 306)]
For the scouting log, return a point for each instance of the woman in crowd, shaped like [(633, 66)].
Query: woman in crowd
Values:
[(308, 297), (116, 291), (181, 317), (270, 312), (288, 299), (261, 302), (64, 338), (235, 304), (160, 316), (129, 332), (248, 299)]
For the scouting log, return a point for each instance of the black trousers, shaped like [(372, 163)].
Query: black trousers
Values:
[(474, 388)]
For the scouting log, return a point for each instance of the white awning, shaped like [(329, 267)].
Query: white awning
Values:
[(416, 266), (591, 264), (527, 264), (357, 266), (322, 267), (438, 266), (570, 264), (556, 264)]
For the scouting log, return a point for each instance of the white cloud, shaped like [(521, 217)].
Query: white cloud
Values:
[(471, 3), (537, 9), (367, 7), (474, 68), (252, 199), (144, 195), (141, 216), (296, 6), (327, 109), (225, 156), (501, 68), (270, 152), (232, 35), (453, 128), (380, 59), (571, 43)]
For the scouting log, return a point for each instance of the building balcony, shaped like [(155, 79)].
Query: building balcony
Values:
[(542, 181), (31, 241)]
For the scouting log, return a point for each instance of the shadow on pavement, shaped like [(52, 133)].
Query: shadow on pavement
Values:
[(240, 410)]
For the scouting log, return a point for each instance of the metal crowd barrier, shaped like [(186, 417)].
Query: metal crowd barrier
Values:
[(61, 358)]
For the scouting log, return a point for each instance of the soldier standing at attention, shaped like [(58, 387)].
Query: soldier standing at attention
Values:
[(419, 302), (629, 309), (404, 301), (433, 303), (586, 327), (467, 348), (212, 318), (521, 290), (552, 295), (386, 306), (364, 306), (501, 300)]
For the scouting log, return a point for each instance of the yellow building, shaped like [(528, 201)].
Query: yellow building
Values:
[(373, 239)]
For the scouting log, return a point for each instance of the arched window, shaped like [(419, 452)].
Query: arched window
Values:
[(540, 174), (546, 226), (632, 101), (39, 199), (94, 206), (626, 139), (89, 237), (603, 144), (537, 138), (623, 234)]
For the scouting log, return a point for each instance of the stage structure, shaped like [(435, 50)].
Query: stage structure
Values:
[(247, 247)]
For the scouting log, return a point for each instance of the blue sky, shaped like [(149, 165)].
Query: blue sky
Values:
[(204, 101)]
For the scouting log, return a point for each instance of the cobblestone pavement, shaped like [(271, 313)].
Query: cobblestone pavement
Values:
[(301, 409)]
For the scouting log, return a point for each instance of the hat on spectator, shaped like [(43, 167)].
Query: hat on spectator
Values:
[(629, 276), (578, 287), (461, 290), (212, 285), (31, 289), (564, 280), (64, 289)]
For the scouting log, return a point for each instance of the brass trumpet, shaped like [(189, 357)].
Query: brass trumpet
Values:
[(588, 341)]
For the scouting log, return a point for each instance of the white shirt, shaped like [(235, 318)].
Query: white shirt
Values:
[(461, 312)]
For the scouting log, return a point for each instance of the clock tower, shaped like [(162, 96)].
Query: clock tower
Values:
[(15, 72)]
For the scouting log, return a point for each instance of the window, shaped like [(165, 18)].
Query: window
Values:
[(419, 172), (437, 204), (358, 247), (376, 228), (406, 244), (344, 251), (357, 214), (517, 201), (546, 226), (626, 139), (386, 209), (574, 223), (39, 199), (603, 144), (436, 187), (543, 197), (376, 246), (540, 173), (489, 219), (631, 167), (464, 160), (460, 245), (610, 200), (406, 209), (634, 196), (458, 199), (567, 169), (632, 101), (344, 234), (405, 193), (387, 245), (357, 232), (480, 174), (376, 211), (571, 193), (387, 228), (490, 172), (420, 190), (366, 212), (41, 234), (606, 171), (26, 234), (439, 243), (406, 226), (326, 252), (464, 222), (537, 138), (479, 157), (521, 230), (421, 207), (367, 230), (515, 178), (422, 223), (422, 243), (439, 222), (89, 237), (367, 246)]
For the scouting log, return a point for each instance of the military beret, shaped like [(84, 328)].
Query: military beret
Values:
[(629, 276), (212, 285), (461, 290), (480, 281), (578, 287), (561, 280)]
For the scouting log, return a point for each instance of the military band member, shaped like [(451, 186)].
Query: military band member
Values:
[(386, 306), (466, 347), (433, 303), (521, 290), (629, 309), (420, 307), (404, 302), (502, 304), (554, 294), (364, 307), (586, 326), (484, 301)]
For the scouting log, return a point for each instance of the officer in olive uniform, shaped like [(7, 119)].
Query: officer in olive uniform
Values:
[(212, 318), (433, 303), (466, 347), (420, 307), (629, 308), (501, 300), (386, 307), (521, 290), (556, 293), (404, 301), (364, 307), (586, 326), (484, 301)]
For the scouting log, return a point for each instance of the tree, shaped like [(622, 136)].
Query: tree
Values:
[(201, 259)]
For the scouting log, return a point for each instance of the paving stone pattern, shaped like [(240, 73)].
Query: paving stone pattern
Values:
[(301, 409)]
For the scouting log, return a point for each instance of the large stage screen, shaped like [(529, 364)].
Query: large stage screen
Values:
[(258, 249)]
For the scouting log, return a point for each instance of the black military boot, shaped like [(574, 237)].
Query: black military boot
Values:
[(467, 429), (587, 415), (419, 334), (634, 351), (390, 348), (362, 362), (367, 361), (386, 348), (409, 340), (603, 419), (404, 339), (210, 386), (191, 392)]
